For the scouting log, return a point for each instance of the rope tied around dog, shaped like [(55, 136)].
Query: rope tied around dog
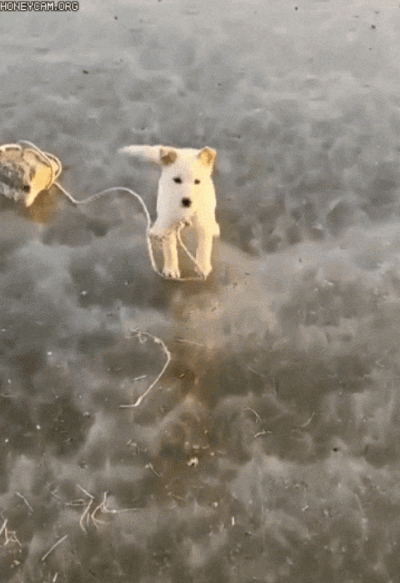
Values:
[(56, 173)]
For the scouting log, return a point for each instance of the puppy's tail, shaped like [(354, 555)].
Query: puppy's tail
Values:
[(151, 153)]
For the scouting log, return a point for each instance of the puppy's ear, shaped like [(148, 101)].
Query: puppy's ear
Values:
[(167, 156), (207, 156)]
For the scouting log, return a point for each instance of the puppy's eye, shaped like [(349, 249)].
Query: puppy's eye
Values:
[(178, 179), (197, 181)]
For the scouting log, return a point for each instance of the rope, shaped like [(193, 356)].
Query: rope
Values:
[(168, 356), (55, 174)]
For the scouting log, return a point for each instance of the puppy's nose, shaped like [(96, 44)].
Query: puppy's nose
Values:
[(186, 202)]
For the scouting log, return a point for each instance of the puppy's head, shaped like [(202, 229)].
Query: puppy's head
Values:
[(186, 171), (185, 185)]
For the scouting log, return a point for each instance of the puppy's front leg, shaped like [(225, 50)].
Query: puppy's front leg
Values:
[(170, 250), (204, 249)]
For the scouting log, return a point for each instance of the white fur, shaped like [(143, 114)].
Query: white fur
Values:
[(193, 168)]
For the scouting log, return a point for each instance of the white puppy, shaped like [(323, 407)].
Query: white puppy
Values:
[(186, 196)]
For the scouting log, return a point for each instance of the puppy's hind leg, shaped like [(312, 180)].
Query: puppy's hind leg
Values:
[(170, 250)]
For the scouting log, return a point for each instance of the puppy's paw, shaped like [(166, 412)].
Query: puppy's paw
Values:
[(205, 269), (171, 272)]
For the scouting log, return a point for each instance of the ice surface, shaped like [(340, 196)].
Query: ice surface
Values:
[(269, 450)]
